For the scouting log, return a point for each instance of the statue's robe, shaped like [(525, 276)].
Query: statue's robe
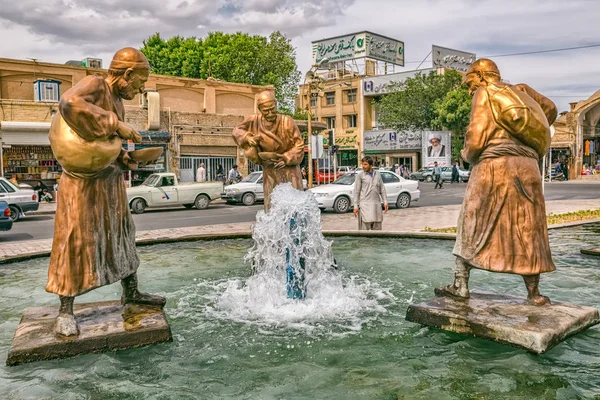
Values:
[(283, 138), (502, 225), (94, 233)]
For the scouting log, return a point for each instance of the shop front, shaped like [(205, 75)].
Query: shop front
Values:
[(389, 147), (347, 154), (26, 153)]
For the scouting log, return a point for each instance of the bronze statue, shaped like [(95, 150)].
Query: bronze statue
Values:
[(94, 233), (502, 226), (273, 141)]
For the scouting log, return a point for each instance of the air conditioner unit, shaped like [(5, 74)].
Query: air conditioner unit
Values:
[(90, 62), (46, 91)]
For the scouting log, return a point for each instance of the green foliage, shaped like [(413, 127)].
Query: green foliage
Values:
[(410, 106), (453, 113), (236, 57), (428, 101)]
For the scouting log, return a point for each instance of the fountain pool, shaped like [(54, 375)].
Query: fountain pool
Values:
[(350, 345)]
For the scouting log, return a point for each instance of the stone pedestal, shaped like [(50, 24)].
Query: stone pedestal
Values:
[(505, 319), (104, 326)]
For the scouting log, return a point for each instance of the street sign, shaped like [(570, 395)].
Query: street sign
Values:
[(130, 145)]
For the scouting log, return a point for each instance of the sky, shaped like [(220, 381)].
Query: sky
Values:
[(62, 30)]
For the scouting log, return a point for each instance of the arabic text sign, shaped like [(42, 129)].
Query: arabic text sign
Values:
[(376, 85), (358, 45), (385, 49), (391, 140), (452, 59)]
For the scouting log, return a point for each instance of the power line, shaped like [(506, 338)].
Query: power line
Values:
[(530, 52)]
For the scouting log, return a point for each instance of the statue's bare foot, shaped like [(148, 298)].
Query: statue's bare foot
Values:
[(453, 291), (66, 325), (144, 298), (538, 300)]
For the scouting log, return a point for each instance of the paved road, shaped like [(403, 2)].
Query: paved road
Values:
[(42, 226)]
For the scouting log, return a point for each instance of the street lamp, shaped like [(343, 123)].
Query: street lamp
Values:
[(310, 77)]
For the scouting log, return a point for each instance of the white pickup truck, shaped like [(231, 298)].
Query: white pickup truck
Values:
[(160, 190)]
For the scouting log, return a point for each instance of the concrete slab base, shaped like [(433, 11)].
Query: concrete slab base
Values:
[(591, 252), (104, 326), (505, 319)]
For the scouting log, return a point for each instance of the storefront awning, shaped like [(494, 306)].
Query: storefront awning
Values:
[(24, 133)]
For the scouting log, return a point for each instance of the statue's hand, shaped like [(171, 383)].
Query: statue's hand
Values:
[(128, 133), (253, 140), (281, 161)]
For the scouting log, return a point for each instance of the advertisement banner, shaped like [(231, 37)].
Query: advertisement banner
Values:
[(452, 59), (359, 45), (377, 85), (389, 140), (436, 147)]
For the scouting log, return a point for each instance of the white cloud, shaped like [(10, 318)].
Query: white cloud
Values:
[(60, 30)]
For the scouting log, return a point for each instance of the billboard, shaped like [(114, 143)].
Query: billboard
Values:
[(389, 140), (376, 85), (359, 45), (436, 147), (452, 59)]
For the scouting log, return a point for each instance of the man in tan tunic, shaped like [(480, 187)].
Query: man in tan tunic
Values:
[(369, 193), (273, 141), (502, 225), (94, 233)]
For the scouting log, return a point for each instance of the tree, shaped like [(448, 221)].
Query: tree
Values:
[(236, 57), (410, 105), (453, 113)]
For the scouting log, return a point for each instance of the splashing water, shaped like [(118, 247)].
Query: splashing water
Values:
[(288, 242)]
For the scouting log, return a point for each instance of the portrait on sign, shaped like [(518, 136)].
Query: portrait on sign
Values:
[(436, 147)]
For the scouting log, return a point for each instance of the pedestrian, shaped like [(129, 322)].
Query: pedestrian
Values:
[(437, 175), (398, 169), (455, 173), (369, 193), (565, 168), (39, 189), (201, 173), (46, 196), (234, 175), (219, 176)]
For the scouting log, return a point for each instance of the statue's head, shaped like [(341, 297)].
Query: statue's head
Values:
[(267, 105), (481, 73), (129, 69)]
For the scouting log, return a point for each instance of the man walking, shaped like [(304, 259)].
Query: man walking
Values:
[(369, 193), (201, 173), (437, 175), (455, 173)]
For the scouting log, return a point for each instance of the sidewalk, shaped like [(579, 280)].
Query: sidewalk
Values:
[(411, 221)]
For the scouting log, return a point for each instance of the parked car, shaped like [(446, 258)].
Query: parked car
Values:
[(6, 222), (339, 194), (326, 175), (20, 199), (426, 174), (163, 189), (249, 190)]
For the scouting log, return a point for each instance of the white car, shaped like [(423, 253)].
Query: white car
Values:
[(339, 194), (20, 199), (249, 190), (160, 190)]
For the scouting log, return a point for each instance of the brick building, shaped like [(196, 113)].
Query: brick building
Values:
[(191, 118)]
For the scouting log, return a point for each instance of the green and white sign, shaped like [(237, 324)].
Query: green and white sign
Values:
[(359, 45)]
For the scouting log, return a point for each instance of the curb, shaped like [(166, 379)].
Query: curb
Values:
[(574, 223)]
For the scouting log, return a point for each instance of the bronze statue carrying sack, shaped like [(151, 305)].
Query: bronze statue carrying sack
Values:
[(522, 116)]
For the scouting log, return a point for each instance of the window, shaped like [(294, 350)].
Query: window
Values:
[(351, 96), (351, 121), (167, 181), (313, 102), (330, 98), (330, 122), (389, 178), (7, 187)]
